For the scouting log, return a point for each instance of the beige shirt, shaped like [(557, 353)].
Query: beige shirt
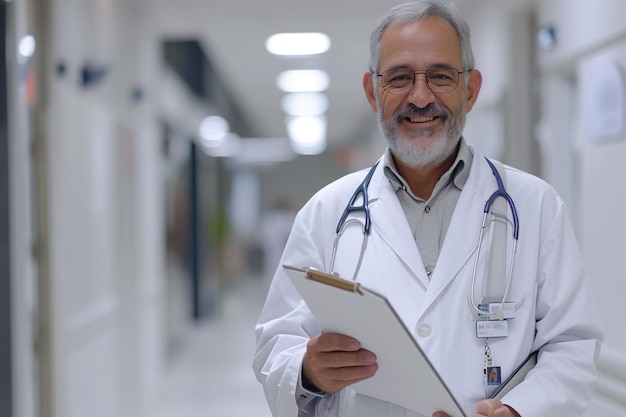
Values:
[(429, 220)]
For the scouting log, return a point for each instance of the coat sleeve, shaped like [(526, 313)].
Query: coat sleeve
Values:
[(567, 330), (286, 324)]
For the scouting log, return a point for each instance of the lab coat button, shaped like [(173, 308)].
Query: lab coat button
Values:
[(424, 330), (427, 209)]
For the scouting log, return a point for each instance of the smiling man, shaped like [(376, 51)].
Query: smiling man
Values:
[(421, 97), (425, 201)]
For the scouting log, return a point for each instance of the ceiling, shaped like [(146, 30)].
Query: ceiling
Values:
[(233, 34)]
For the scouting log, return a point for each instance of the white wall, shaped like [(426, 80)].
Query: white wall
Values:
[(106, 225), (588, 32), (603, 229), (502, 121)]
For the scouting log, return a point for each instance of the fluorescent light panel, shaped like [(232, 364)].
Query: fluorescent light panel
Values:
[(303, 81), (306, 43), (307, 134), (304, 104)]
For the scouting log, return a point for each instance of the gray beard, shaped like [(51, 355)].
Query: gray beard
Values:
[(414, 152)]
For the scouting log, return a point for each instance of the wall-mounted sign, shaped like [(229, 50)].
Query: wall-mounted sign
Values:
[(603, 98)]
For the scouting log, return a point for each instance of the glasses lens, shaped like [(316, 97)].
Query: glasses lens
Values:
[(440, 80), (398, 81)]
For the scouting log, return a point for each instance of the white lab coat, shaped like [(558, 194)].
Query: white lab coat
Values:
[(557, 315)]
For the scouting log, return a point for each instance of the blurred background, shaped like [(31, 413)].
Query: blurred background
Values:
[(153, 154)]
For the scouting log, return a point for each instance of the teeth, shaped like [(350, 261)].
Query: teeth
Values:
[(421, 119)]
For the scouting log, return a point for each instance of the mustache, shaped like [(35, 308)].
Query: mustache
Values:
[(432, 109)]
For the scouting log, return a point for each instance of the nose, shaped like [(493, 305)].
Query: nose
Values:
[(420, 93)]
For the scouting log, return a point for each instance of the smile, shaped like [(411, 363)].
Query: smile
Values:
[(421, 119)]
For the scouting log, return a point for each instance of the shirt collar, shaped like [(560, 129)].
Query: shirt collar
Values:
[(458, 172)]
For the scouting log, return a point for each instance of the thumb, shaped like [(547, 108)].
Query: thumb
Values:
[(485, 407)]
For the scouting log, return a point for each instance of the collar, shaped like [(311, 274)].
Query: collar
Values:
[(457, 174)]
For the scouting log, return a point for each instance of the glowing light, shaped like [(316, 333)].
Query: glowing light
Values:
[(307, 134), (303, 81), (304, 104), (308, 43), (213, 130), (27, 46)]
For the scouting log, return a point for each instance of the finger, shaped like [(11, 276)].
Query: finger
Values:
[(341, 359), (349, 375), (334, 361), (333, 379), (440, 414), (504, 411), (486, 407), (318, 359), (328, 342)]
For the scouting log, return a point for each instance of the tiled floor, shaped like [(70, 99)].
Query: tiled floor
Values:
[(213, 376)]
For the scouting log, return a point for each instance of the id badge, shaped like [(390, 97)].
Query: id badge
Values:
[(492, 328)]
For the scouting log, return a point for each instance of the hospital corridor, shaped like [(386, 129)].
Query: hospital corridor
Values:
[(211, 375), (154, 155)]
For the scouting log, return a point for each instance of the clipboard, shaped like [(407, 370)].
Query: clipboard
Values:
[(405, 376)]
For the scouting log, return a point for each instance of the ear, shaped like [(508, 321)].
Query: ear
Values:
[(368, 86), (473, 88)]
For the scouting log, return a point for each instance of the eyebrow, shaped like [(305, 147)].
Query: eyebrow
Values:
[(408, 67)]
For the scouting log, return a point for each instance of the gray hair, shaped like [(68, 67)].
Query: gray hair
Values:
[(417, 10)]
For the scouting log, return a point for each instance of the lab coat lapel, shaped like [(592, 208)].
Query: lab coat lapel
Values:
[(461, 240), (390, 223)]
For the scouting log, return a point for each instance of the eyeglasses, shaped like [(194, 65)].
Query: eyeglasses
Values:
[(439, 80)]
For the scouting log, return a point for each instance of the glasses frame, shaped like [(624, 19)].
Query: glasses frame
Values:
[(409, 87)]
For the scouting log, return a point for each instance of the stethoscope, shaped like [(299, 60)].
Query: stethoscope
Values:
[(479, 312), (361, 191)]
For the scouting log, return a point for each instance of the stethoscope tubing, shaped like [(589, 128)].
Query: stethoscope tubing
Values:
[(344, 221), (350, 207), (500, 192), (476, 311)]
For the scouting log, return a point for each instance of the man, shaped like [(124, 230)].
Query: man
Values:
[(426, 200)]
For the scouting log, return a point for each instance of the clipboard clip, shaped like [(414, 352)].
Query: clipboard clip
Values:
[(333, 280)]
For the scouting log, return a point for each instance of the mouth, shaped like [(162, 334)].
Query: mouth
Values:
[(420, 119)]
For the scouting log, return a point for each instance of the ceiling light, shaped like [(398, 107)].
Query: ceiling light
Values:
[(310, 43), (304, 104), (27, 46), (213, 130), (307, 134), (303, 81)]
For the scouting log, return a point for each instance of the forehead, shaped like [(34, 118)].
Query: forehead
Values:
[(421, 44)]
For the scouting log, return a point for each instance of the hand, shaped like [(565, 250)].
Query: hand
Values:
[(334, 361), (488, 408)]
